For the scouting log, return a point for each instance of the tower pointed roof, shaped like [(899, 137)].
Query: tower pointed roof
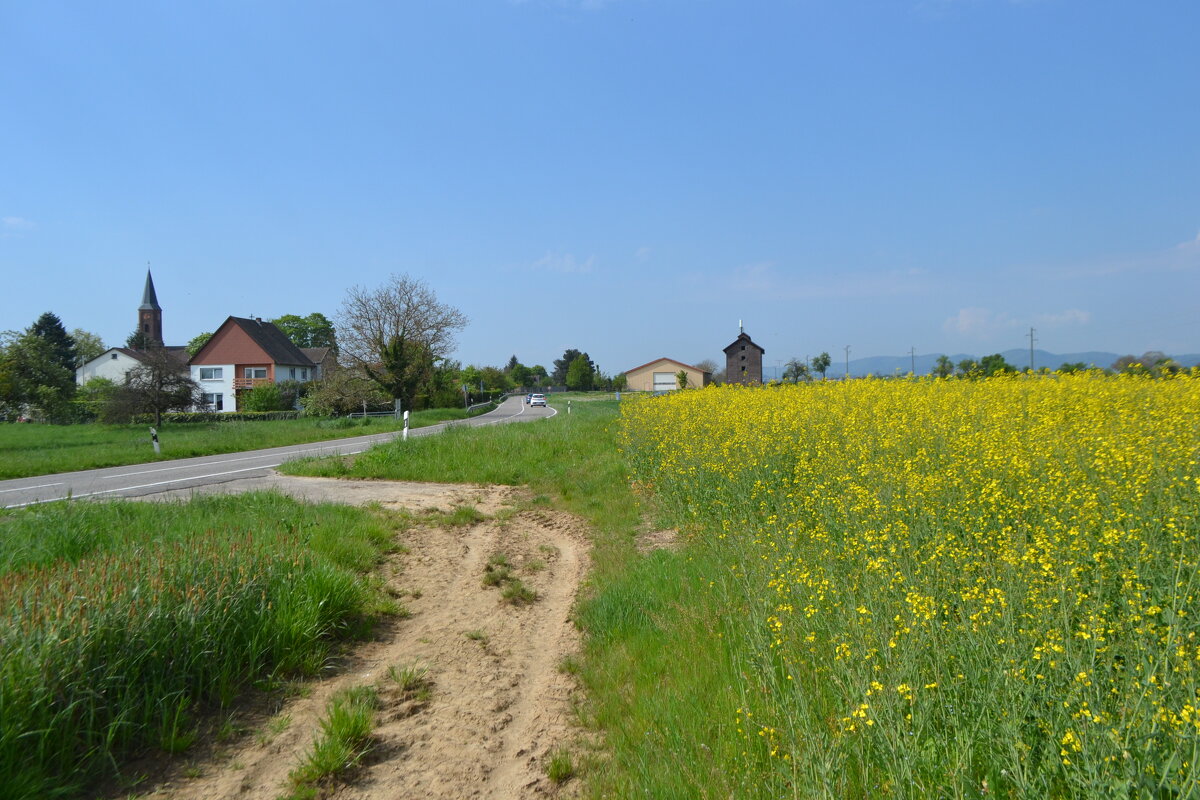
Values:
[(149, 298)]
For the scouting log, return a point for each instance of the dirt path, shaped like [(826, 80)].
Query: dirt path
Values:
[(499, 704)]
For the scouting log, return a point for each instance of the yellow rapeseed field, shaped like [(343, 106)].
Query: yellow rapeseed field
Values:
[(950, 587)]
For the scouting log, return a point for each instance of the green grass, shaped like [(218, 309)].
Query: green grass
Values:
[(653, 660), (343, 741), (124, 622), (27, 450), (560, 768), (572, 459)]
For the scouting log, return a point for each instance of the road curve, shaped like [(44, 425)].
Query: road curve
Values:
[(136, 480)]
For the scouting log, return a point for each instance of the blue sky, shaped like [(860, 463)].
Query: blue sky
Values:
[(627, 177)]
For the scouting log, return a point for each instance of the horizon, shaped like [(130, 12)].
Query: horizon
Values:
[(625, 177)]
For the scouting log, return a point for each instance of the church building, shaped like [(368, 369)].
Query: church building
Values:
[(116, 362)]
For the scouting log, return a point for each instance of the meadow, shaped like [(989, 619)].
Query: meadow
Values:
[(34, 449), (919, 588), (125, 624)]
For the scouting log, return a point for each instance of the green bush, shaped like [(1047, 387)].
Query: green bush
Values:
[(219, 416), (264, 397)]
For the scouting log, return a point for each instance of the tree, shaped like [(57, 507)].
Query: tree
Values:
[(707, 366), (580, 373), (138, 340), (397, 333), (94, 396), (342, 391), (198, 341), (32, 378), (1071, 367), (796, 370), (994, 365), (538, 374), (968, 368), (681, 378), (559, 376), (49, 328), (512, 363), (520, 375), (821, 364), (1152, 362), (87, 346), (619, 382), (404, 368), (315, 330), (155, 385), (944, 367)]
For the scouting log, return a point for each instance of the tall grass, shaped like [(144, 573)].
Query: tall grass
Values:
[(27, 450), (121, 622)]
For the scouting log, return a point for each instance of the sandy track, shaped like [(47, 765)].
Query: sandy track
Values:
[(499, 703)]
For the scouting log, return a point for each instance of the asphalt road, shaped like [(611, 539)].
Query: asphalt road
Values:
[(136, 480)]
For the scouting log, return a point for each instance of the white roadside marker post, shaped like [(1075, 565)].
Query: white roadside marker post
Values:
[(404, 436), (154, 439)]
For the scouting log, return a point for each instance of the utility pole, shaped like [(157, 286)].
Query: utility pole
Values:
[(1031, 342), (912, 351), (847, 362)]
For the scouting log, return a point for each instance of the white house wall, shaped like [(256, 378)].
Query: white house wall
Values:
[(106, 366), (222, 386)]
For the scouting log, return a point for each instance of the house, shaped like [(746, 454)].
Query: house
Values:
[(743, 361), (324, 358), (116, 362), (661, 375), (244, 353)]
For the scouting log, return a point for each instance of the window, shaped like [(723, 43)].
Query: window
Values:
[(304, 373), (256, 372), (214, 402), (210, 373), (292, 374), (114, 356)]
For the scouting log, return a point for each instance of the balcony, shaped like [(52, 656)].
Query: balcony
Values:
[(249, 383)]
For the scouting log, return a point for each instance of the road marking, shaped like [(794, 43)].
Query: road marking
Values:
[(330, 447), (142, 486), (27, 488), (170, 465)]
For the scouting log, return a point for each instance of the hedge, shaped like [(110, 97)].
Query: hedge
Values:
[(219, 416)]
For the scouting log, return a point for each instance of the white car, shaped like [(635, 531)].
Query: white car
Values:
[(537, 400)]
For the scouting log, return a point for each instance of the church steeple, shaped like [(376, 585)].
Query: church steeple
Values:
[(150, 315)]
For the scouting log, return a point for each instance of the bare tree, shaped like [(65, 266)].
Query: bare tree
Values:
[(397, 333), (796, 370), (159, 383)]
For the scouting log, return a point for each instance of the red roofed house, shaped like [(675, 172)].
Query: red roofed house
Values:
[(661, 375), (242, 354)]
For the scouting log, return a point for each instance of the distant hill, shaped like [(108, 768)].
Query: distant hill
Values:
[(893, 365)]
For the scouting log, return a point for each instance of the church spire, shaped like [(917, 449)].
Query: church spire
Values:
[(149, 328), (149, 298)]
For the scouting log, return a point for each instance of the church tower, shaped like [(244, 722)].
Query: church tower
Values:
[(150, 315)]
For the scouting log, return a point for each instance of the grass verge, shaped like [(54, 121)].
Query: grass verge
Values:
[(641, 613), (27, 450), (123, 622)]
